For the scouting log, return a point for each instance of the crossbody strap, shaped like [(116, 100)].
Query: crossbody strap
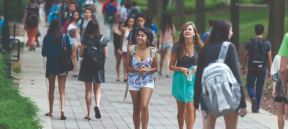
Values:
[(223, 52)]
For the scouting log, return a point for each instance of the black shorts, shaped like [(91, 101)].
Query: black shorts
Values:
[(280, 99)]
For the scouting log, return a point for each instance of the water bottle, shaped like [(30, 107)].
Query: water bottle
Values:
[(190, 76)]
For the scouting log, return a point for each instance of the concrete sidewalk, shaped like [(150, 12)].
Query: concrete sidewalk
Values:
[(115, 113)]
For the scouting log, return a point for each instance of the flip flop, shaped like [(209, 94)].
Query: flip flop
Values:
[(117, 80), (47, 114), (75, 75), (63, 118), (87, 118)]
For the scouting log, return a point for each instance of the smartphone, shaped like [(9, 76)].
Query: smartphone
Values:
[(238, 111)]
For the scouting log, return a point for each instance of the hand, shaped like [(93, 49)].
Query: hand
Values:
[(269, 75), (184, 71), (145, 69), (285, 92), (79, 44), (159, 47), (242, 112), (194, 69), (273, 93), (244, 73), (118, 51)]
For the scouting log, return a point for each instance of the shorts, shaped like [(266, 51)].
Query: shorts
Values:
[(150, 85), (166, 46), (47, 11), (280, 99), (64, 73), (124, 54)]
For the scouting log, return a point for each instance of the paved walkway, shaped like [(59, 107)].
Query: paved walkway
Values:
[(115, 113)]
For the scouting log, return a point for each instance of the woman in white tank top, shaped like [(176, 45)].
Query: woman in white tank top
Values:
[(128, 26)]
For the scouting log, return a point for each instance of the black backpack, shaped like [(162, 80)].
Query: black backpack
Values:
[(32, 17), (134, 12), (94, 53), (258, 59)]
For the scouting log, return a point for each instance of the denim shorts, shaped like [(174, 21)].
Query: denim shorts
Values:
[(166, 46)]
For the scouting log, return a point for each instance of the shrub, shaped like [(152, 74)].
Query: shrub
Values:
[(252, 1), (13, 6), (16, 111), (17, 70), (143, 10)]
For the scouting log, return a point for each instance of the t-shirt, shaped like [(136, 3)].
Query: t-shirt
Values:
[(205, 36), (1, 25), (32, 8), (105, 3), (250, 47), (123, 13), (85, 23), (154, 29), (283, 51), (186, 61), (167, 37), (71, 32)]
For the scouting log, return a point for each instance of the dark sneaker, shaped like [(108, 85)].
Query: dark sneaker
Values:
[(97, 112), (254, 105)]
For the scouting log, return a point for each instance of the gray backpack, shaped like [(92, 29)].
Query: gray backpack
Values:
[(220, 89)]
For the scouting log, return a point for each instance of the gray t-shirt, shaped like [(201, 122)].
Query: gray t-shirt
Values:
[(250, 47), (85, 23), (186, 61)]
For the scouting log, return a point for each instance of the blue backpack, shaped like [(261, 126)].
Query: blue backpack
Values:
[(110, 13)]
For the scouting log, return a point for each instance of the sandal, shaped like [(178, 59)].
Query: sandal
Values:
[(97, 112), (87, 118), (75, 75), (63, 118), (47, 114)]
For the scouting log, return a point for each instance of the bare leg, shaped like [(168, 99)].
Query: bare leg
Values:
[(167, 57), (51, 93), (61, 86), (136, 98), (88, 86), (190, 115), (281, 115), (181, 113), (231, 120), (146, 93), (162, 54), (124, 69), (209, 123), (118, 62), (97, 93), (74, 57)]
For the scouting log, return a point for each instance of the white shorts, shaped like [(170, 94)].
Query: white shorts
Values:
[(150, 85), (79, 58), (63, 73)]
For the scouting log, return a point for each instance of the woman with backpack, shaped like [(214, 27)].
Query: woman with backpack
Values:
[(221, 32), (52, 44), (71, 31), (128, 26), (167, 37), (185, 53), (31, 21), (117, 49), (92, 68), (148, 24), (141, 63)]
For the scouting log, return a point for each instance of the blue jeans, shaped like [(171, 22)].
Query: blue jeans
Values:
[(251, 76)]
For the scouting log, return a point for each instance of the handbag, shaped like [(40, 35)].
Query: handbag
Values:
[(65, 57)]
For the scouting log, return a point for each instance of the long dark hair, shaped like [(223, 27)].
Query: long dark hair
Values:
[(93, 28), (166, 22), (148, 21), (55, 30), (219, 33), (149, 35), (126, 22), (119, 24), (72, 18)]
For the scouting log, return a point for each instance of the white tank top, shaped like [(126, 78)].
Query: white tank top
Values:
[(125, 41)]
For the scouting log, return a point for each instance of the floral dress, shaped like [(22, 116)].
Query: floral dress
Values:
[(137, 80)]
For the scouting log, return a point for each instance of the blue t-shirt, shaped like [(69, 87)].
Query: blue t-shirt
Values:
[(154, 29), (1, 25), (205, 35)]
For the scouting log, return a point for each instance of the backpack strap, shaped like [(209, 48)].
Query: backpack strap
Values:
[(132, 52), (65, 15), (223, 52), (102, 38), (153, 52)]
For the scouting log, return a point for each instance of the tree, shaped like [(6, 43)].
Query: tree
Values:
[(152, 6), (234, 15), (159, 9), (276, 24), (200, 16), (180, 14)]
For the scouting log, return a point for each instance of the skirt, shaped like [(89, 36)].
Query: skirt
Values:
[(182, 89), (88, 75)]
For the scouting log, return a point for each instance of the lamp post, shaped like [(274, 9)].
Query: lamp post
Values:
[(6, 36)]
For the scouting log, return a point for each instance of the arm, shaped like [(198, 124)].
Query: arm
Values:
[(244, 60), (25, 25), (128, 65), (106, 52), (175, 68), (160, 41), (78, 37), (155, 40), (154, 66), (283, 73), (269, 60), (273, 91), (122, 38), (128, 46), (44, 48), (81, 50)]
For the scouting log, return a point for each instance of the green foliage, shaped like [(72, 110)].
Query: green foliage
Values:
[(22, 44), (16, 111), (13, 6), (252, 1), (141, 2), (17, 70), (143, 10)]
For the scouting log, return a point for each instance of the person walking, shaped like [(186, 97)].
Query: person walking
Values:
[(259, 51), (89, 72), (277, 92), (71, 31), (221, 32), (63, 6), (185, 52), (141, 66), (123, 10), (52, 45), (167, 37), (128, 26), (110, 18), (152, 27), (65, 15), (133, 11), (1, 22), (31, 21), (48, 8), (206, 34), (117, 50)]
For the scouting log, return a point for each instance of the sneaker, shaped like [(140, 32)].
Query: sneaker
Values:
[(97, 112), (254, 105)]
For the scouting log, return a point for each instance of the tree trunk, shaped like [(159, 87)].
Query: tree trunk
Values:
[(180, 14), (200, 16), (234, 15), (152, 6), (159, 10), (276, 24)]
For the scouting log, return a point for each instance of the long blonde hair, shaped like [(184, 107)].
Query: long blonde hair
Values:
[(181, 40)]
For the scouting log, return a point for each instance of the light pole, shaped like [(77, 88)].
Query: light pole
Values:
[(6, 36)]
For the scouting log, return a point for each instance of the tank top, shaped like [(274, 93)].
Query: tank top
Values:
[(125, 41)]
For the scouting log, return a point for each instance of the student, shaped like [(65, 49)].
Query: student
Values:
[(185, 52), (148, 24), (67, 14), (71, 31), (206, 34), (128, 26), (133, 11), (167, 37), (63, 8), (89, 75), (123, 11), (1, 22), (31, 21), (222, 31), (48, 8), (141, 80), (277, 92), (110, 18), (117, 50), (259, 51), (105, 3), (52, 45)]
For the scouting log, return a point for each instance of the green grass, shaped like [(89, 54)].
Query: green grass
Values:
[(17, 70)]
